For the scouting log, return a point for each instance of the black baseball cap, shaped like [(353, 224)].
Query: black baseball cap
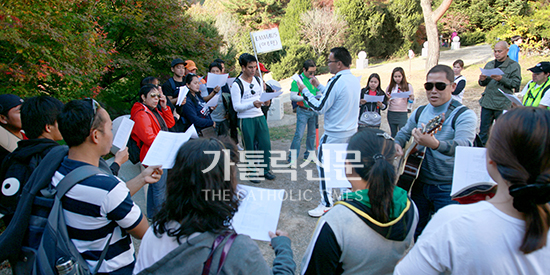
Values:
[(176, 62), (541, 67), (9, 101)]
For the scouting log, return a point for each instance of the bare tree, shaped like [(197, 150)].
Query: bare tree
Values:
[(322, 29), (430, 20)]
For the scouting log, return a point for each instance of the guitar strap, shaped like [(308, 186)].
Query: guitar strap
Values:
[(454, 104)]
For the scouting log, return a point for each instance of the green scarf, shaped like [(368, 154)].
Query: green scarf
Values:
[(399, 199)]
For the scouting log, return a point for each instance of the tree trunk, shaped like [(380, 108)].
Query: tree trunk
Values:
[(430, 20)]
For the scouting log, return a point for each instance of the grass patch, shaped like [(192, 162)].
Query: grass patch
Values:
[(285, 132)]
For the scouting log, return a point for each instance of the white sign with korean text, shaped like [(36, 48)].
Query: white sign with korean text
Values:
[(267, 40)]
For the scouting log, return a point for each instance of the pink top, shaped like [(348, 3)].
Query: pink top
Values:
[(398, 104)]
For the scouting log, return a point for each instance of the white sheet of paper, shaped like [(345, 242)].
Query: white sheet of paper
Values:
[(164, 149), (470, 167), (213, 101), (192, 131), (203, 90), (297, 78), (512, 98), (230, 81), (490, 72), (123, 133), (183, 90), (373, 98), (267, 96), (258, 212), (216, 80), (401, 95), (334, 158)]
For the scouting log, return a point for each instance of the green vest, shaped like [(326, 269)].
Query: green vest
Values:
[(534, 95), (305, 80)]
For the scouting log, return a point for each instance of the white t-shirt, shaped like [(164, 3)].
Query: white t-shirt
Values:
[(153, 248), (244, 106), (545, 99), (473, 239)]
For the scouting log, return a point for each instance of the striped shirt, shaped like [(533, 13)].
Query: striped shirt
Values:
[(94, 209)]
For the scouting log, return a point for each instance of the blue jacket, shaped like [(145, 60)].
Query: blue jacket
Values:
[(194, 114)]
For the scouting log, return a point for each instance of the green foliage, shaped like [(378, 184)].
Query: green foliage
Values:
[(534, 28), (257, 14), (290, 26), (371, 27), (292, 62), (472, 38), (51, 46)]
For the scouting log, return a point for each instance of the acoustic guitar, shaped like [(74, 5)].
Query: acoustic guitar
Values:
[(409, 165)]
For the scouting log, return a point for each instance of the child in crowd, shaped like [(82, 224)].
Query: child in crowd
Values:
[(369, 112), (397, 111), (373, 226), (192, 220), (507, 234), (460, 81)]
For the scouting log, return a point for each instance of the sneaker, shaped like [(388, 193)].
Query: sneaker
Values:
[(256, 181), (269, 176), (318, 211), (240, 147)]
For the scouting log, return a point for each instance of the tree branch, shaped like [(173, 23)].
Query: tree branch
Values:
[(440, 11)]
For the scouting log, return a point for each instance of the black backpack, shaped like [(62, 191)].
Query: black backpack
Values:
[(37, 235)]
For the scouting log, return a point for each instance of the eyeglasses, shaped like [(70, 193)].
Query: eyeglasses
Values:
[(154, 95), (310, 73), (95, 106), (331, 61), (252, 87), (440, 86)]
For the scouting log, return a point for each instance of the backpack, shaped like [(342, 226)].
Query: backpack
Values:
[(241, 87), (22, 240), (133, 151), (454, 104)]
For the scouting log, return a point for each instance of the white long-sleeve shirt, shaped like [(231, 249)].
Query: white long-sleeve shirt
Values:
[(340, 105), (244, 106)]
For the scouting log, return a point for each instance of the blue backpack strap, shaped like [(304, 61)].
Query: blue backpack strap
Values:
[(172, 84)]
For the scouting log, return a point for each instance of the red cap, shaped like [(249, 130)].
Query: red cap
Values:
[(263, 69)]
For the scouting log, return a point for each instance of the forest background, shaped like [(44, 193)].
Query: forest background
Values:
[(73, 49)]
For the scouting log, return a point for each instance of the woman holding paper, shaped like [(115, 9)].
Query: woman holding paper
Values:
[(195, 221), (196, 110), (399, 106), (369, 112), (507, 234), (372, 227), (148, 122)]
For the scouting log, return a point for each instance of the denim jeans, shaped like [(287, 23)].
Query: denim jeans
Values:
[(428, 199), (303, 118), (156, 195)]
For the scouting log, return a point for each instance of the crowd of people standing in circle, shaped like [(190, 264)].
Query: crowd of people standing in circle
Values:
[(376, 226)]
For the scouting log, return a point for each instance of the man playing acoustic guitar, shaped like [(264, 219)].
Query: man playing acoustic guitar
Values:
[(432, 189)]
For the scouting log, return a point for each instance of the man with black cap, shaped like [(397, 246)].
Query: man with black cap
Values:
[(10, 120), (536, 89), (170, 87)]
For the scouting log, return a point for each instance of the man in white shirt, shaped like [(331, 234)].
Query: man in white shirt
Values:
[(340, 105), (245, 95)]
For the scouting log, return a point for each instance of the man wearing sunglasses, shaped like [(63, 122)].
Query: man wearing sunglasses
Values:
[(305, 116), (339, 103), (492, 101), (432, 190)]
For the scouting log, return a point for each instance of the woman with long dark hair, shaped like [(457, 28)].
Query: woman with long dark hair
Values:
[(149, 121), (195, 221), (507, 234), (372, 227), (398, 109), (194, 110), (369, 112)]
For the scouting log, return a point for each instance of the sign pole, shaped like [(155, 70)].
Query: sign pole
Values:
[(258, 61)]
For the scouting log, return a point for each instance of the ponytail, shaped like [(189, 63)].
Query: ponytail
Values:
[(381, 178), (520, 146), (377, 151)]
